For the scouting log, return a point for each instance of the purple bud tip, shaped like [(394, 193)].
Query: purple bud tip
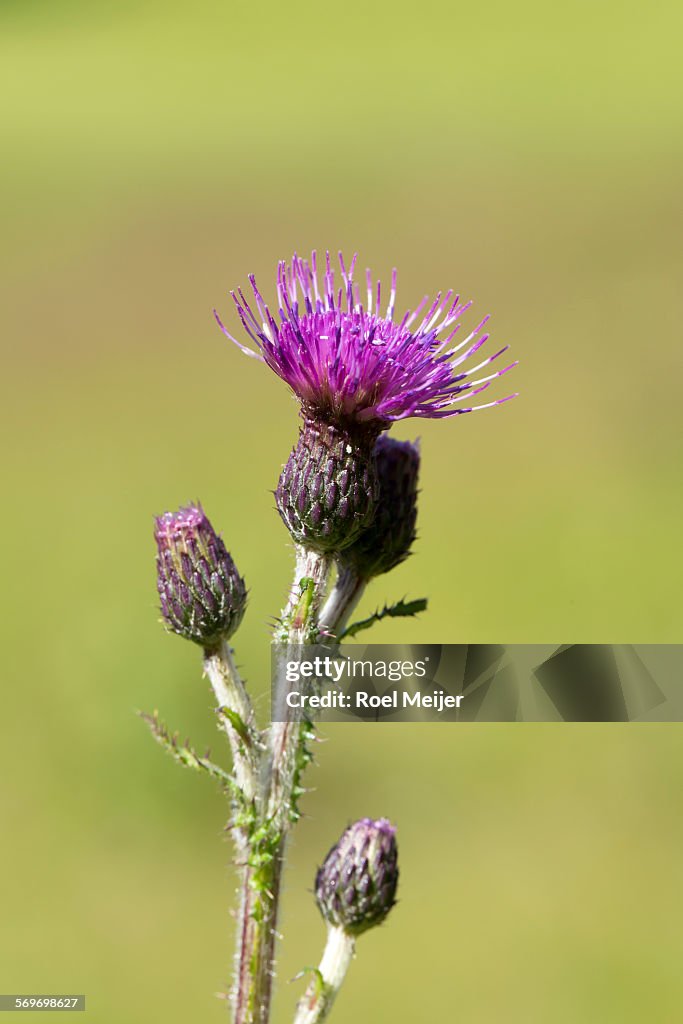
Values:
[(356, 886), (202, 595), (177, 528)]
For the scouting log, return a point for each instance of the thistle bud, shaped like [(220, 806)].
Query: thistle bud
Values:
[(203, 597), (387, 541), (326, 493), (356, 887)]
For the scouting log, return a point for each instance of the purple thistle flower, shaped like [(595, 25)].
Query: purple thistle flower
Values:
[(352, 364), (202, 595), (356, 886)]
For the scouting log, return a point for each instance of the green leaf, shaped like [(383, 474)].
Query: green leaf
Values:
[(402, 609), (185, 755)]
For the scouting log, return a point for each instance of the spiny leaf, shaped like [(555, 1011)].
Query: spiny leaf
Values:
[(184, 754), (402, 609)]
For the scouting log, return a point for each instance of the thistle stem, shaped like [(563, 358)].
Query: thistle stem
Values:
[(346, 593), (301, 619), (322, 991), (274, 807), (237, 715), (256, 939)]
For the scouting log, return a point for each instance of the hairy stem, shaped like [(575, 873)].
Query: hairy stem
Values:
[(346, 593), (322, 991), (237, 716), (275, 806), (256, 939), (301, 624)]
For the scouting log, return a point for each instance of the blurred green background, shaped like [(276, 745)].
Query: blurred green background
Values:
[(154, 154)]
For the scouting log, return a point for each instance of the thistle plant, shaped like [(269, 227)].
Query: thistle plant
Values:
[(348, 497)]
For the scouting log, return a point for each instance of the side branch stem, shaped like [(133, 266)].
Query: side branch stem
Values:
[(237, 716), (340, 605), (322, 990)]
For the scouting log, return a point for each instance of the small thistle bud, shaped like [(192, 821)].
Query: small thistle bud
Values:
[(203, 597), (387, 541), (326, 493), (356, 887)]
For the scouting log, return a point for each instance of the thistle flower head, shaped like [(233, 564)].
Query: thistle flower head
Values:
[(350, 363), (387, 540), (356, 886), (328, 487), (203, 597)]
